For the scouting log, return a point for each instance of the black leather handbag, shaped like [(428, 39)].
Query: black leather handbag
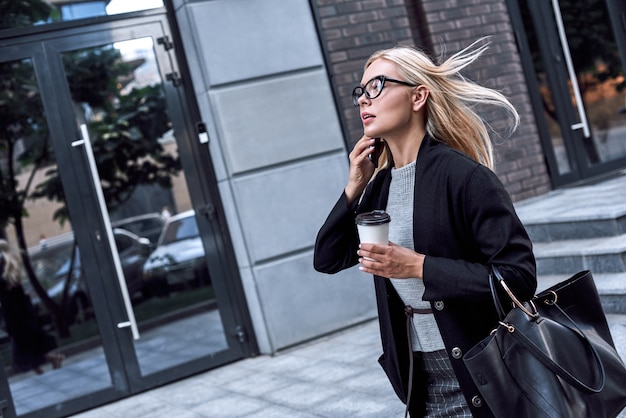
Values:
[(551, 357)]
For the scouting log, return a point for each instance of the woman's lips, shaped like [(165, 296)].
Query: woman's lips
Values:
[(367, 117)]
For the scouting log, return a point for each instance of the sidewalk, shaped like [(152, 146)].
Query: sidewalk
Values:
[(332, 377)]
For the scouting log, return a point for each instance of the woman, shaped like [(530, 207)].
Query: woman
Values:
[(31, 346), (451, 219)]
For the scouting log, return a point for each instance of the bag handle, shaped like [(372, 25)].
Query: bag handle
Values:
[(496, 299), (539, 353)]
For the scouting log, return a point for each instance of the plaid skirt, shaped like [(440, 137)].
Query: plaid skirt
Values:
[(444, 398)]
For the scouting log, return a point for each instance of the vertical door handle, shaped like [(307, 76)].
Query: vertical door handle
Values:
[(572, 73), (132, 323)]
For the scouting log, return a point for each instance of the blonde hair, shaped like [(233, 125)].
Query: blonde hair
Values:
[(451, 105), (12, 272)]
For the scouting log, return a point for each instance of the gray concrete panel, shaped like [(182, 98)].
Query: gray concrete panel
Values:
[(281, 210), (192, 41), (178, 4), (245, 39), (198, 79), (255, 307), (234, 224), (276, 120), (300, 303)]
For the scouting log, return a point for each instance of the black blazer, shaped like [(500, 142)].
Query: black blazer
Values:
[(464, 222)]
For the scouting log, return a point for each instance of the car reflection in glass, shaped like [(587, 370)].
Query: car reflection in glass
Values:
[(148, 225), (178, 262), (52, 265)]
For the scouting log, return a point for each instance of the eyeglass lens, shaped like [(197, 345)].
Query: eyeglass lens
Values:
[(372, 90)]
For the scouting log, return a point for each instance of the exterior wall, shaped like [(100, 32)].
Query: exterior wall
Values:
[(276, 143), (353, 29), (260, 73)]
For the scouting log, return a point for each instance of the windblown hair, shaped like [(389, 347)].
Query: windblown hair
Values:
[(12, 266), (451, 106)]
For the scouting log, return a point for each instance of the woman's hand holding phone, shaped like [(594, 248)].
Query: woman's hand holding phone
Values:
[(361, 167)]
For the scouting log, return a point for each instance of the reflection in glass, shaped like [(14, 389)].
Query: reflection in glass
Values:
[(600, 77), (122, 102), (124, 6), (561, 153), (34, 218), (23, 13), (599, 74)]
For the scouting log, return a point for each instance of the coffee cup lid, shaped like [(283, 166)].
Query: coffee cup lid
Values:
[(375, 217)]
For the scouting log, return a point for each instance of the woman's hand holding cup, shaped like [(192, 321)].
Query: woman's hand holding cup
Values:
[(381, 257)]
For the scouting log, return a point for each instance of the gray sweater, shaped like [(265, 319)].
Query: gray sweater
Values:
[(425, 334)]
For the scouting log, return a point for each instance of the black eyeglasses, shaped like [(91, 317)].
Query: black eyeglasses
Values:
[(374, 87)]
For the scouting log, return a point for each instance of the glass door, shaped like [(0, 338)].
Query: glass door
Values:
[(50, 344), (128, 115), (123, 232), (579, 74)]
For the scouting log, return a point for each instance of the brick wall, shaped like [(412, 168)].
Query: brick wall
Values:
[(453, 24), (351, 30)]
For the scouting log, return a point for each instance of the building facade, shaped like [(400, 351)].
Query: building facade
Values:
[(232, 121)]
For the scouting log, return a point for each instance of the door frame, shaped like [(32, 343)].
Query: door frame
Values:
[(557, 79), (202, 186)]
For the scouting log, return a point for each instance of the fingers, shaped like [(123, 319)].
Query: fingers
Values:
[(376, 248), (361, 169), (371, 252), (390, 261), (363, 143), (362, 149), (375, 259)]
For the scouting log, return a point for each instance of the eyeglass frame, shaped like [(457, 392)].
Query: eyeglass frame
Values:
[(356, 96)]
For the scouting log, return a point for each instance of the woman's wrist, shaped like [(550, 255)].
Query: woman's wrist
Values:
[(419, 267), (351, 193)]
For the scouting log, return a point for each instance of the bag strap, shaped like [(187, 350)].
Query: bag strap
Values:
[(538, 352), (557, 369), (409, 311), (494, 295)]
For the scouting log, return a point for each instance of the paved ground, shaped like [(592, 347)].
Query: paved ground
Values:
[(332, 377)]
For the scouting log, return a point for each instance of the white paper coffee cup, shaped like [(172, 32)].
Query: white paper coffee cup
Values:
[(373, 227)]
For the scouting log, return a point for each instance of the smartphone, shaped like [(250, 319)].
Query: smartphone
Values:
[(377, 150)]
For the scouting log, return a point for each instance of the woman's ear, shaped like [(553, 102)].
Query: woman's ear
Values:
[(420, 94)]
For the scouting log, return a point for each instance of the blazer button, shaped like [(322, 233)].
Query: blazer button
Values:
[(439, 305), (477, 401), (457, 353)]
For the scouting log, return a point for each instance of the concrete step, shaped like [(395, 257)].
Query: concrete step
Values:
[(611, 288), (600, 225), (581, 228), (588, 211), (600, 255)]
